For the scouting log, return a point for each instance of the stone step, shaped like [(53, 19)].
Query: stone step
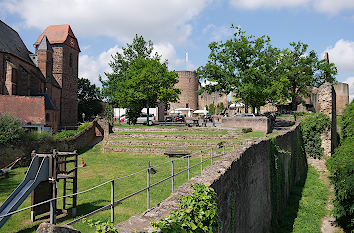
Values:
[(175, 136), (180, 143)]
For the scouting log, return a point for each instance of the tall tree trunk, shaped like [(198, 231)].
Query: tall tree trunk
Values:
[(246, 105)]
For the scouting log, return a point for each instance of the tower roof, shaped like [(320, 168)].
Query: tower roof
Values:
[(11, 42), (45, 45), (60, 34)]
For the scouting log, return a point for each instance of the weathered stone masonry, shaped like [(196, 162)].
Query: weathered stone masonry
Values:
[(242, 181)]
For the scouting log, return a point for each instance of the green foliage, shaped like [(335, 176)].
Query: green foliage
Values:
[(139, 79), (220, 107), (277, 179), (211, 109), (197, 213), (65, 134), (246, 130), (84, 126), (101, 227), (311, 128), (88, 99), (244, 65), (259, 73), (108, 113), (38, 136), (341, 167), (10, 128), (347, 121), (301, 70)]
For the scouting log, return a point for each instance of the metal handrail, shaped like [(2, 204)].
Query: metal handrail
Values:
[(113, 203)]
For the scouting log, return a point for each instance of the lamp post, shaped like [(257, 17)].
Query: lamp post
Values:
[(213, 97), (83, 117)]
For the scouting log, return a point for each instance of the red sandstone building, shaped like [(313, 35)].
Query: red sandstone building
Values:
[(40, 88)]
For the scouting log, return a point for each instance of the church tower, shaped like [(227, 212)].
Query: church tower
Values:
[(65, 68)]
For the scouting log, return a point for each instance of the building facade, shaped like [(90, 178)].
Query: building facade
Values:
[(40, 88)]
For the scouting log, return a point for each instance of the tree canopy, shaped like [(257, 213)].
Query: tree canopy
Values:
[(258, 73), (89, 100), (139, 79)]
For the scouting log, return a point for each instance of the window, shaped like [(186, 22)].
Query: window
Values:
[(47, 117), (187, 105)]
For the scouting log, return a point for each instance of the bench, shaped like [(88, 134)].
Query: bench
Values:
[(176, 152)]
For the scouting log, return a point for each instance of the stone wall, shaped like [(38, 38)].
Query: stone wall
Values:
[(258, 124), (23, 149), (326, 103), (342, 96), (249, 199)]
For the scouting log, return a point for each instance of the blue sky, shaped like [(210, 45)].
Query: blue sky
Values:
[(180, 26)]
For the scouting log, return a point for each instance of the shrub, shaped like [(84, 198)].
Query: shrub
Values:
[(246, 130), (341, 167), (311, 128), (10, 128), (101, 227), (347, 122), (65, 134), (197, 213), (38, 136), (84, 126)]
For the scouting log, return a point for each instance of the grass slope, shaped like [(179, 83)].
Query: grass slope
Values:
[(306, 206)]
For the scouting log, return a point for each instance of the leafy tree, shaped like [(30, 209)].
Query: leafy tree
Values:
[(347, 122), (302, 70), (10, 128), (89, 99), (211, 108), (139, 79), (244, 65)]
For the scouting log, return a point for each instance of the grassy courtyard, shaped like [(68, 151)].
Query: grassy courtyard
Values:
[(102, 167)]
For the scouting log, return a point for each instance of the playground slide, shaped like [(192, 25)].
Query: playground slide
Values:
[(37, 172)]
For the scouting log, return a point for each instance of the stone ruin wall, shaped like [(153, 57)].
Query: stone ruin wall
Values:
[(242, 182), (326, 103), (342, 96)]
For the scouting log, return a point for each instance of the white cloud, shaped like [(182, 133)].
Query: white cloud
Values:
[(326, 6), (168, 52), (159, 20), (342, 55), (217, 32), (91, 67), (255, 4), (350, 82)]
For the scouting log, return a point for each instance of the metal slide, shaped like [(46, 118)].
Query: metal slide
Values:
[(37, 172)]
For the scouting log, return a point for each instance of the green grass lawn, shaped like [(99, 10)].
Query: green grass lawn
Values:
[(306, 206), (102, 167)]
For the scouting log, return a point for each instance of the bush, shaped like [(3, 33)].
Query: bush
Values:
[(10, 128), (83, 126), (65, 134), (347, 122), (246, 130), (311, 128), (341, 167), (38, 136), (197, 213)]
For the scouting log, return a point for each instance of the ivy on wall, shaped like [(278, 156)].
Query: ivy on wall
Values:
[(311, 128)]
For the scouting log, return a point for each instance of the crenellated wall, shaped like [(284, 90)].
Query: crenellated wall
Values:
[(252, 183)]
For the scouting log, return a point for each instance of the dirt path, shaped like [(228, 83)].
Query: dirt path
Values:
[(328, 222)]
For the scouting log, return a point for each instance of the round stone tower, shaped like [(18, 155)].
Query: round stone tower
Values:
[(188, 83)]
